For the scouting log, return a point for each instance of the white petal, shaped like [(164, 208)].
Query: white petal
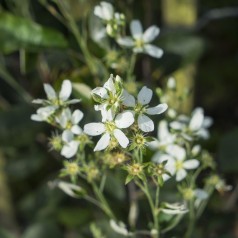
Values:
[(36, 117), (128, 100), (77, 116), (201, 194), (76, 129), (136, 29), (121, 138), (73, 101), (203, 133), (176, 125), (181, 174), (145, 95), (98, 12), (38, 101), (66, 90), (163, 131), (124, 119), (101, 92), (153, 51), (207, 122), (197, 119), (150, 34), (94, 129), (110, 84), (103, 142), (50, 92), (176, 151), (70, 149), (157, 110), (67, 136), (191, 164), (107, 10), (145, 123), (126, 41)]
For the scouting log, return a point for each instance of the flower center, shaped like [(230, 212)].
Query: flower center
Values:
[(139, 43), (72, 168), (136, 169), (139, 108), (110, 126), (179, 164)]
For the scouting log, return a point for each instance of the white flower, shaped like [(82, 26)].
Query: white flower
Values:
[(165, 138), (140, 42), (109, 96), (141, 108), (54, 101), (195, 126), (120, 228), (70, 189), (199, 195), (70, 146), (111, 130), (176, 163), (69, 121), (43, 113), (113, 20), (174, 208)]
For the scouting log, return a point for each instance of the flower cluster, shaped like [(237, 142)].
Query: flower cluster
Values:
[(120, 110)]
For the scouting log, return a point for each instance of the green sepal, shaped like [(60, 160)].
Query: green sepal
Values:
[(160, 181), (129, 178)]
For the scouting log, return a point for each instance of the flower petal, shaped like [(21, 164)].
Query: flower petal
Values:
[(94, 129), (197, 119), (176, 151), (150, 34), (70, 149), (181, 174), (124, 119), (107, 10), (176, 125), (50, 92), (127, 99), (145, 123), (121, 138), (110, 84), (191, 164), (66, 90), (103, 142), (38, 101), (136, 29), (76, 129), (126, 41), (201, 194), (157, 110), (153, 51), (145, 95), (67, 136), (101, 92), (77, 116)]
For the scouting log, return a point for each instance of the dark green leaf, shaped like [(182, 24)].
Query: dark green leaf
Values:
[(17, 33)]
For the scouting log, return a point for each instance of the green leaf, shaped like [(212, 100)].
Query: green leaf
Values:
[(5, 234), (18, 32)]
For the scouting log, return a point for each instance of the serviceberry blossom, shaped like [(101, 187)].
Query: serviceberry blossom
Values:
[(140, 42), (176, 162), (111, 130), (195, 126), (54, 101), (165, 138), (140, 108)]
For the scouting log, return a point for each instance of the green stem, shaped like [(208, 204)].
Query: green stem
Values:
[(153, 208), (103, 201), (192, 220), (131, 68)]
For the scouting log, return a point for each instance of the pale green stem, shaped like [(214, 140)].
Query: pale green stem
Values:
[(103, 181), (130, 77), (103, 201), (192, 220)]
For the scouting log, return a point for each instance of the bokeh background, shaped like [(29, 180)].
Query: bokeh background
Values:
[(200, 40)]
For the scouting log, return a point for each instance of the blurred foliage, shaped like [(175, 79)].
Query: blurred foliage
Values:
[(36, 46)]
